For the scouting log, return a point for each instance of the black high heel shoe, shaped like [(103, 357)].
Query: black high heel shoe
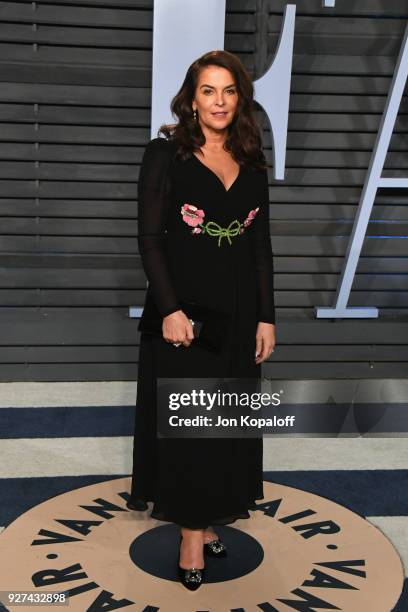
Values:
[(192, 578), (215, 548)]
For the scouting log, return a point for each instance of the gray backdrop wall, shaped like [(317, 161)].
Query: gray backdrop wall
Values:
[(75, 108)]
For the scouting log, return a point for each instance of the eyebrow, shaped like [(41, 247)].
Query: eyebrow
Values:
[(211, 86)]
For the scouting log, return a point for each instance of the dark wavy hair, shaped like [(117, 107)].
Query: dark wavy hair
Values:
[(244, 140)]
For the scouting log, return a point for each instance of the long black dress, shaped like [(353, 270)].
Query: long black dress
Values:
[(204, 481)]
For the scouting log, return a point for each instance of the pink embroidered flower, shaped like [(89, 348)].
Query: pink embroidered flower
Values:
[(192, 215), (251, 216), (197, 230)]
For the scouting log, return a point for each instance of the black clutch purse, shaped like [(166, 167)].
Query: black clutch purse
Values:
[(210, 326)]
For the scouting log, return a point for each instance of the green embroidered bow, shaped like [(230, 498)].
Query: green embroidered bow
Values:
[(213, 229)]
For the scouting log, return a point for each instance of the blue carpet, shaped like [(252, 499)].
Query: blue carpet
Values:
[(20, 494), (67, 422), (365, 492), (94, 421)]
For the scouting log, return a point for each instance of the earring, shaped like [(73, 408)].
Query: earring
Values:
[(195, 114)]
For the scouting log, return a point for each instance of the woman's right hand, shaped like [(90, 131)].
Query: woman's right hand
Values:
[(177, 328)]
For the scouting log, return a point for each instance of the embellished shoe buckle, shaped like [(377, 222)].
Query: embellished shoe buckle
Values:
[(193, 575), (216, 546)]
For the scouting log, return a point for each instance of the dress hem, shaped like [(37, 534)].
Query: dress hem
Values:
[(140, 505)]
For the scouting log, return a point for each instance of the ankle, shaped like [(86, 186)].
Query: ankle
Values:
[(192, 533)]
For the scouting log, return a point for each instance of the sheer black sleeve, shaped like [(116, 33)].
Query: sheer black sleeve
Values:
[(153, 203), (264, 271)]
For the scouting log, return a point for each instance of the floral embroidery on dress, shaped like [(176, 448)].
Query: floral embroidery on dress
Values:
[(194, 217), (251, 216)]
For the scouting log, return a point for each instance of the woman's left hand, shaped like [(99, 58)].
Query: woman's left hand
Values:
[(265, 341)]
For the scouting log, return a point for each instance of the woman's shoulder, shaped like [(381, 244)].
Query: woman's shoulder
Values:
[(258, 173), (157, 144), (161, 147), (157, 153)]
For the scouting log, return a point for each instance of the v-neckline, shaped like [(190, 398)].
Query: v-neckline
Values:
[(217, 177)]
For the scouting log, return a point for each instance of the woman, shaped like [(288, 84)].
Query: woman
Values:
[(209, 169)]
